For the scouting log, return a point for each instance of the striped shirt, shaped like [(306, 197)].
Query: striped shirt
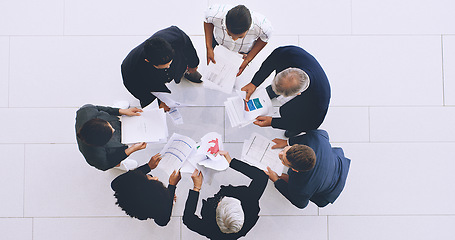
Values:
[(260, 28)]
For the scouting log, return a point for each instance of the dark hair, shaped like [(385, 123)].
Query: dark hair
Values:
[(238, 19), (140, 197), (95, 132), (301, 157), (158, 51)]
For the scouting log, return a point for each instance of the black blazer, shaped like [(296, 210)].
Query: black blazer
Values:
[(307, 110), (248, 195), (141, 77)]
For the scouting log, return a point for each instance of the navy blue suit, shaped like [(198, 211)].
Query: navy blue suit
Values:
[(141, 77), (307, 110), (322, 184)]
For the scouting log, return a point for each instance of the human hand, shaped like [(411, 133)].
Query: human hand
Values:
[(280, 143), (263, 121), (272, 175), (153, 162), (130, 111), (138, 146), (285, 177), (249, 89), (225, 154), (243, 66), (175, 177), (197, 180), (165, 107), (210, 56), (192, 70)]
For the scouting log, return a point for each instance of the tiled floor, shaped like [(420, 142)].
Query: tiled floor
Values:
[(391, 65)]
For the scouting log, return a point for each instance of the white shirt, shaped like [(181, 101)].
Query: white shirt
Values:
[(260, 28)]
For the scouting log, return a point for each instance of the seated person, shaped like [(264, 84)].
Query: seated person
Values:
[(237, 29), (98, 131), (301, 86), (317, 172), (143, 196), (233, 211), (167, 55)]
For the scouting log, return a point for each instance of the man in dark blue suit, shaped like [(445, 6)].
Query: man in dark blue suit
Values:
[(301, 86), (317, 172)]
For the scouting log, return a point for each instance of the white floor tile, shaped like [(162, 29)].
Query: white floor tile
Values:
[(449, 71), (347, 124), (391, 227), (13, 185), (397, 179), (303, 17), (28, 17), (68, 71), (4, 71), (380, 70), (37, 125), (117, 228), (59, 183), (138, 17), (16, 228), (419, 124), (402, 17)]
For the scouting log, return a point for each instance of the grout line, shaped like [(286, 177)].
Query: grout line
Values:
[(63, 20), (33, 227), (9, 70), (23, 189), (352, 28), (442, 69), (328, 230), (369, 125)]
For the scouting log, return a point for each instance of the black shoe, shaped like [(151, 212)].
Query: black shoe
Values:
[(289, 134), (193, 77)]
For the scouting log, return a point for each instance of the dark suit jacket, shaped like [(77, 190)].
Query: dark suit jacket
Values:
[(249, 197), (113, 152), (307, 110), (322, 184), (141, 77), (162, 217)]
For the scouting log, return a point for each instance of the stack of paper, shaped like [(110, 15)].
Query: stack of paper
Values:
[(176, 152), (258, 152), (149, 127), (242, 113), (222, 75)]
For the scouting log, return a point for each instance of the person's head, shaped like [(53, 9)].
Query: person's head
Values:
[(96, 132), (229, 215), (141, 196), (238, 21), (290, 82), (299, 157), (158, 52)]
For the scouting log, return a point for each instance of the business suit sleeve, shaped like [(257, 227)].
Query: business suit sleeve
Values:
[(267, 67), (164, 220), (258, 177), (190, 219), (110, 110), (113, 157), (189, 51), (298, 200)]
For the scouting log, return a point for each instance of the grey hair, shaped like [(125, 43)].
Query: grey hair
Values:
[(290, 82), (229, 215)]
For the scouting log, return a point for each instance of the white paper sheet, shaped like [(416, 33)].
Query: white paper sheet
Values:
[(149, 127), (222, 75), (175, 153), (166, 98), (258, 152), (175, 116), (242, 113)]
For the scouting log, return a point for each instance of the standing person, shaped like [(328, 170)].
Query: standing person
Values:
[(300, 84), (317, 172), (237, 29), (233, 211), (98, 131), (143, 196), (167, 55)]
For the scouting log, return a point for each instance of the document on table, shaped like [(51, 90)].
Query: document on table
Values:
[(175, 153), (149, 127), (222, 74), (242, 113), (258, 152)]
